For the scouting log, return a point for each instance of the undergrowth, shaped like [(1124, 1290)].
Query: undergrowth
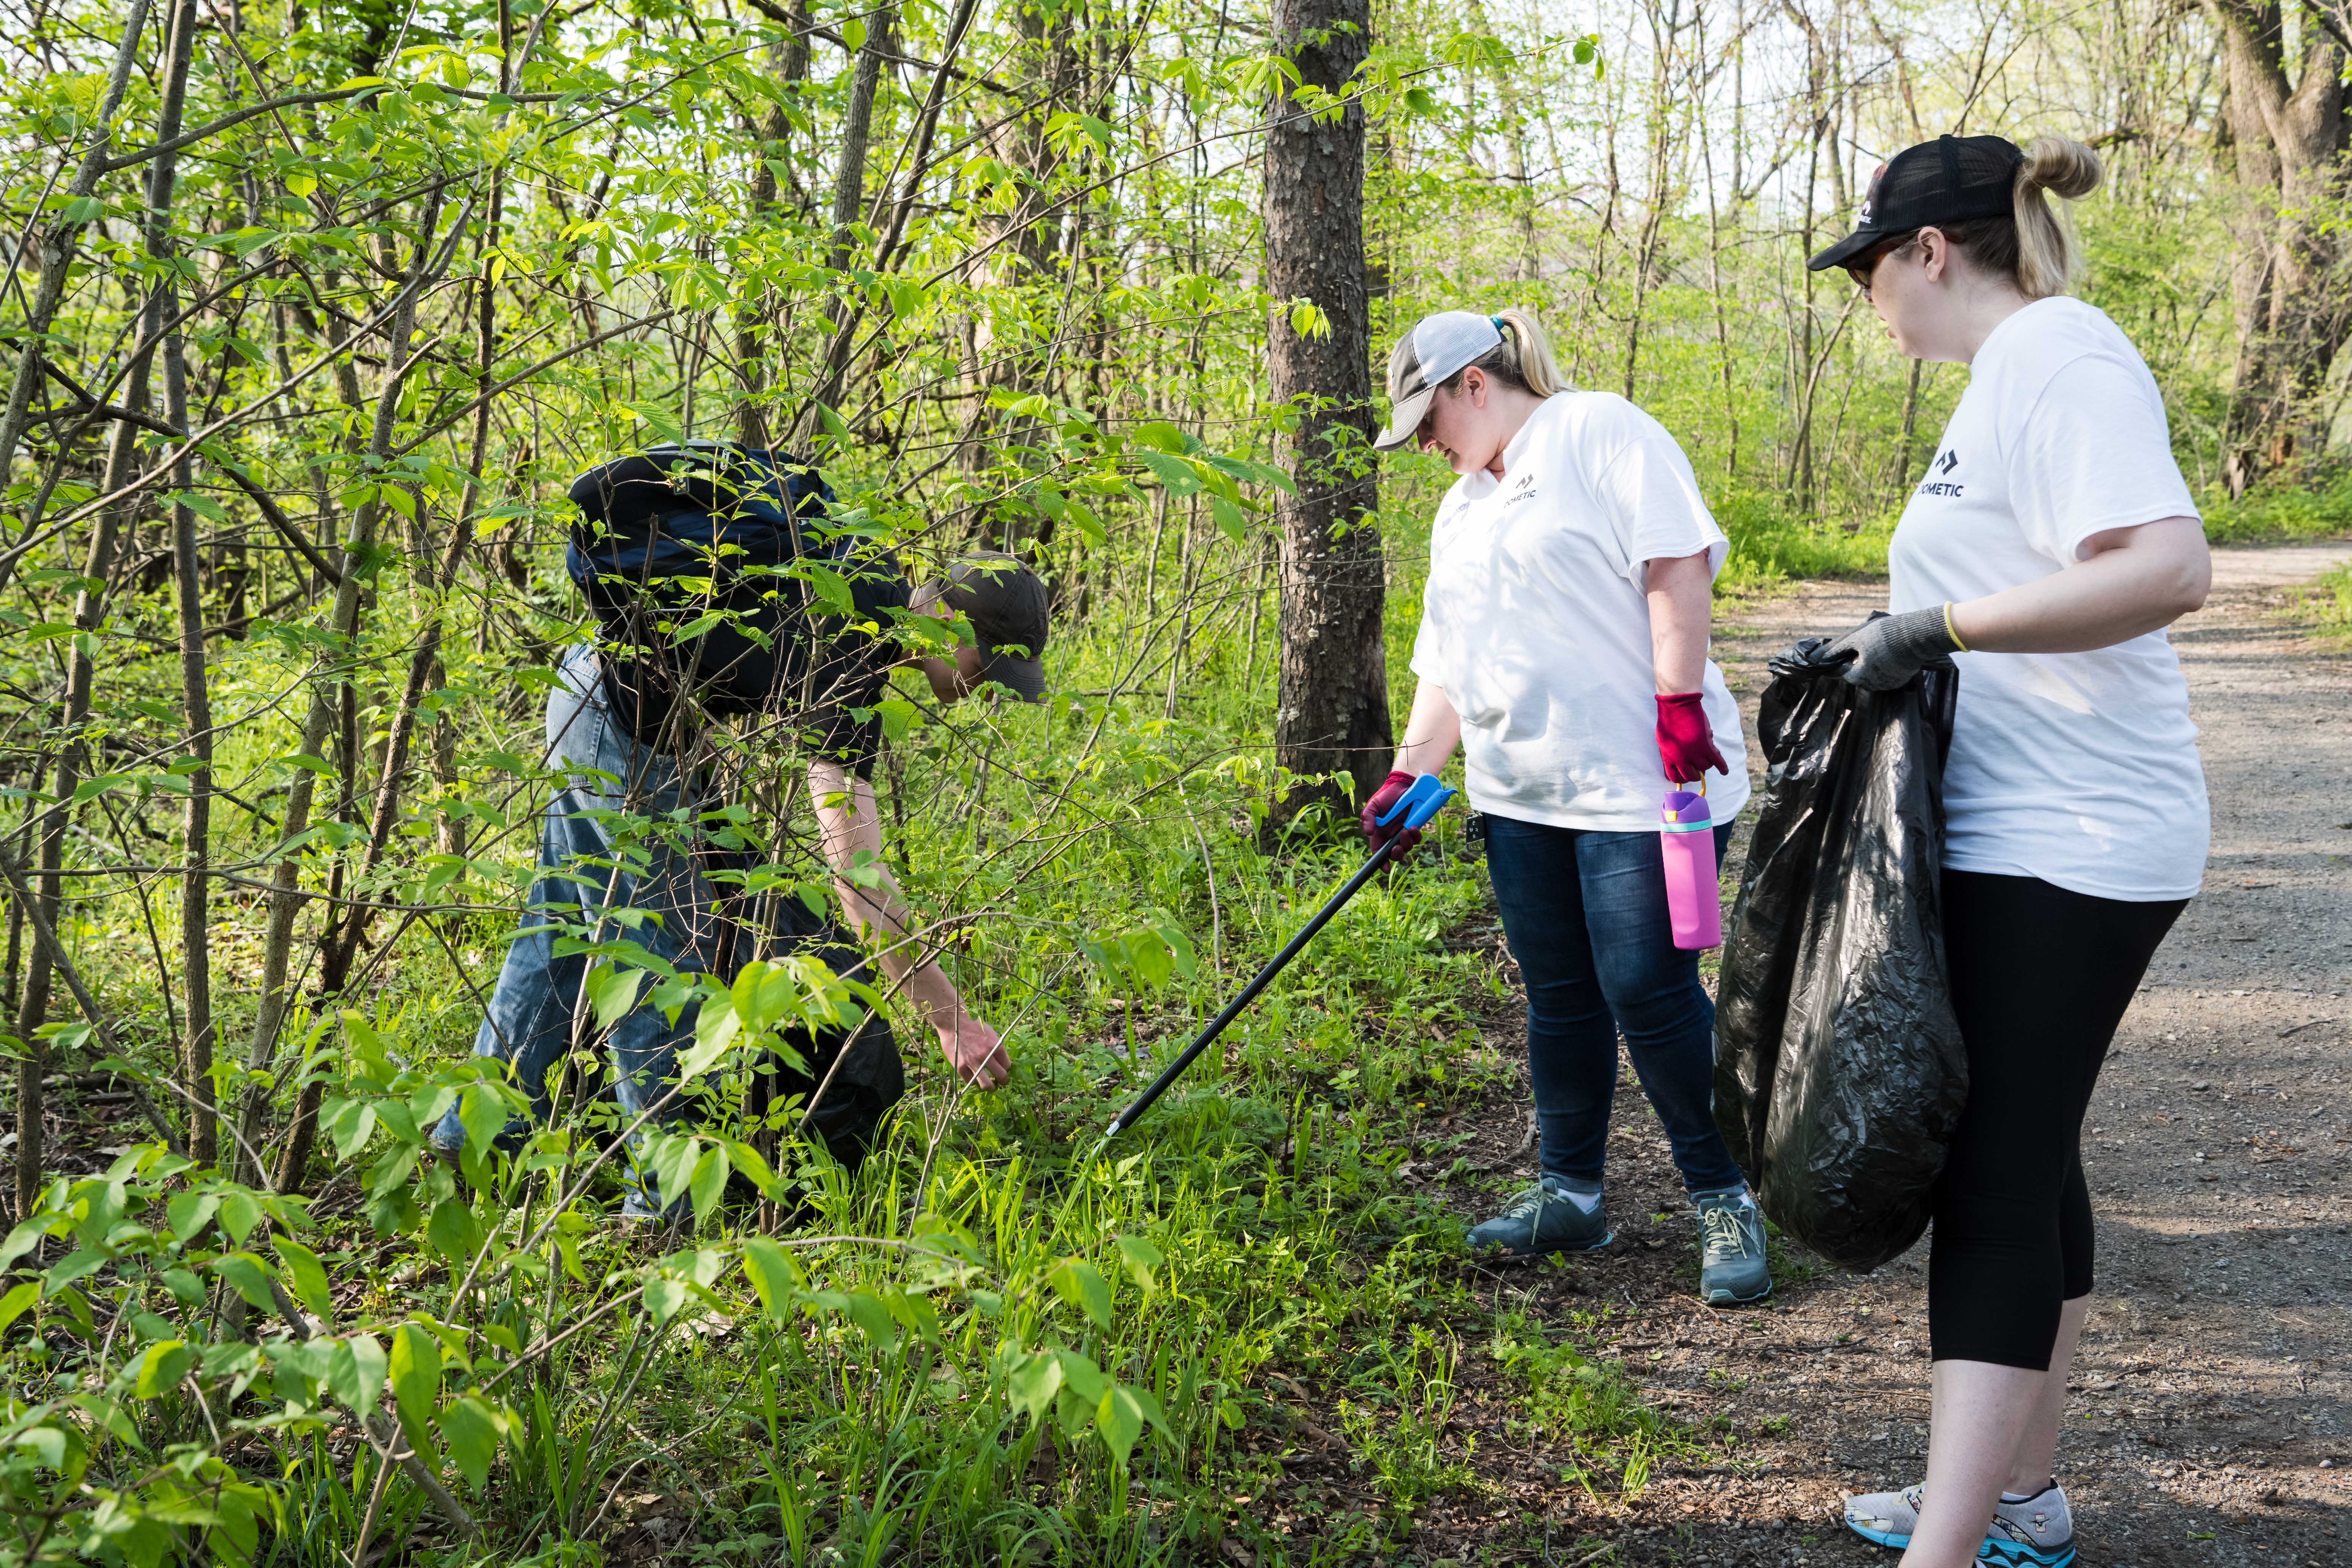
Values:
[(996, 1341)]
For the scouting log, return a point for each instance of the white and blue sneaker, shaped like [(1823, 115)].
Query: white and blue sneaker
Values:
[(2036, 1531)]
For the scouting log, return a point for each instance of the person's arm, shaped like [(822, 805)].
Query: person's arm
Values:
[(1680, 592), (2127, 582), (849, 827), (1431, 733)]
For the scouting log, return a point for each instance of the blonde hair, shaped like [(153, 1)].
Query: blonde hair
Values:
[(2033, 248), (1524, 357)]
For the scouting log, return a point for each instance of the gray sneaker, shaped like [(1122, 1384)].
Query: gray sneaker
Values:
[(1544, 1219), (2025, 1532), (1731, 1249)]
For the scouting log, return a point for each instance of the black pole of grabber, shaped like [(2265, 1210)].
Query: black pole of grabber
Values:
[(1207, 1037)]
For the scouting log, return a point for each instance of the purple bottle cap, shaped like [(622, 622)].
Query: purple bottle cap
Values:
[(1685, 809)]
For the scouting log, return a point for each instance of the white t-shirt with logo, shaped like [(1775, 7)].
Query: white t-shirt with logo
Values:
[(1534, 620), (2078, 768)]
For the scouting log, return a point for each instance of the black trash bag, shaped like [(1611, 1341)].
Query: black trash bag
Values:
[(1839, 1069)]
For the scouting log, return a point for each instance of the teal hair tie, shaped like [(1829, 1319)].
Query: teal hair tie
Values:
[(1500, 325)]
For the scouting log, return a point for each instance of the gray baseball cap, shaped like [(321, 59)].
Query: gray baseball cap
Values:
[(1438, 348), (1005, 602)]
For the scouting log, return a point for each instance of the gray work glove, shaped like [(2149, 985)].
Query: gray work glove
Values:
[(1888, 650)]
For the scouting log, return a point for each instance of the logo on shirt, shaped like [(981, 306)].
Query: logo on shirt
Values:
[(1523, 488), (1946, 461)]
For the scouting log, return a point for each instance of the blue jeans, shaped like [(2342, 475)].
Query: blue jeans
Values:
[(608, 875), (1585, 914)]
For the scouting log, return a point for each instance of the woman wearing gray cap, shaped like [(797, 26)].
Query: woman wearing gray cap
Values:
[(1563, 646), (2050, 543)]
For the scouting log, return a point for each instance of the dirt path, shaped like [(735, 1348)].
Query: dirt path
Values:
[(2213, 1417)]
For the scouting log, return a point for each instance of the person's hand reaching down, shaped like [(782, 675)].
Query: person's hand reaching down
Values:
[(975, 1051)]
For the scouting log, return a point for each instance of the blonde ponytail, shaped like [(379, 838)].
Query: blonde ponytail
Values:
[(2031, 245), (1524, 357), (2046, 255)]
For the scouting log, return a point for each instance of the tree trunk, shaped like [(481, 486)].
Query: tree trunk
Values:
[(1331, 714), (2287, 142), (196, 694)]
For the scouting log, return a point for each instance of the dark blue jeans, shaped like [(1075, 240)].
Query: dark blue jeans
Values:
[(1585, 914)]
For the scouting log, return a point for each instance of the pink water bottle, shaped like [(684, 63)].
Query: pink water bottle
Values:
[(1694, 897)]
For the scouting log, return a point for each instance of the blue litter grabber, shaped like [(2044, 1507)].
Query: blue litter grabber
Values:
[(1417, 805)]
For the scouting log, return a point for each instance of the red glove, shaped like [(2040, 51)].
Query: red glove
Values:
[(1685, 743), (1391, 790)]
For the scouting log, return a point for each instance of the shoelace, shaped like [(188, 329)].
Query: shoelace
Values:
[(1528, 1202), (1720, 1230)]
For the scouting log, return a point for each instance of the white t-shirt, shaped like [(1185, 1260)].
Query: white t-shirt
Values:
[(1534, 623), (2078, 768)]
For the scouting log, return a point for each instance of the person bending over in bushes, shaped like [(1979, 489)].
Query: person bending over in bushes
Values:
[(617, 725)]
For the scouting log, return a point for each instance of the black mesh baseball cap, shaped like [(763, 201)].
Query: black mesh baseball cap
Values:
[(1007, 604), (1948, 180)]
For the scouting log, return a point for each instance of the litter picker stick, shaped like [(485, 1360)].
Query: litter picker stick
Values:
[(1417, 805)]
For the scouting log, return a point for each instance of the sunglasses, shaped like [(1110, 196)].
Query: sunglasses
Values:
[(1861, 268)]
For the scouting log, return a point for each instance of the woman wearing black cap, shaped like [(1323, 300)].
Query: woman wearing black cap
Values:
[(1563, 646), (2049, 546)]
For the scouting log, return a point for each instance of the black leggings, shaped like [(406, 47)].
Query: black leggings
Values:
[(2040, 977)]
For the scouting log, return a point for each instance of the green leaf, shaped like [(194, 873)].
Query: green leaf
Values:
[(1033, 1384), (1141, 1258), (188, 1213), (1084, 1287), (664, 1297), (483, 1114), (308, 1276), (868, 1312), (1083, 520), (13, 1305), (472, 1428), (708, 1182), (355, 1374), (1082, 1376), (415, 1379), (715, 1028), (45, 1444), (615, 992), (239, 1212), (664, 422), (899, 717), (249, 1278), (771, 1274), (1119, 1419), (203, 506), (454, 1232), (349, 1122), (1229, 519), (161, 1368), (1161, 437), (1179, 477)]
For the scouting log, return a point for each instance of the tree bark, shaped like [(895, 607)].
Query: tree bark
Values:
[(2288, 137), (1331, 712), (187, 571)]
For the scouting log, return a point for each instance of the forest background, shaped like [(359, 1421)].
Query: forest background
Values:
[(313, 312)]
